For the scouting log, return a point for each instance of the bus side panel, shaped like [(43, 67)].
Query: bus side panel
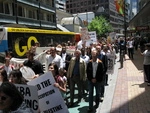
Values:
[(3, 40), (19, 43)]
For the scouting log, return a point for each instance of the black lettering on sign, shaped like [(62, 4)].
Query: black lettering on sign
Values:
[(54, 109), (38, 86), (46, 83), (24, 91), (32, 104)]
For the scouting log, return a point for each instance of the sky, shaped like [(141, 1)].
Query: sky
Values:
[(134, 6)]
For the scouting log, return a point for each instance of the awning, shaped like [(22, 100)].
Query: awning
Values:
[(62, 28)]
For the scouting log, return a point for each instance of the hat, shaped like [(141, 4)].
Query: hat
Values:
[(148, 44)]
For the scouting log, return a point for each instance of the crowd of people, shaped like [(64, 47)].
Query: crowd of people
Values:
[(86, 68)]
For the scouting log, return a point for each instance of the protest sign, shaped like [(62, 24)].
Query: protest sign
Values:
[(50, 98), (92, 38), (30, 96), (84, 34), (111, 60)]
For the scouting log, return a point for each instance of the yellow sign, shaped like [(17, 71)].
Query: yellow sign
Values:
[(24, 48)]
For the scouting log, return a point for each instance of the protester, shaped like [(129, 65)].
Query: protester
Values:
[(101, 55), (16, 77), (95, 73), (146, 63), (66, 57), (61, 83), (11, 100), (130, 46), (76, 74), (53, 58), (3, 75), (7, 66), (35, 65)]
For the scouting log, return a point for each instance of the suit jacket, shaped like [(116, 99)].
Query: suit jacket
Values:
[(99, 72), (68, 58), (82, 68)]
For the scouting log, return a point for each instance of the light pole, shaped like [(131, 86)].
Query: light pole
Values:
[(125, 26)]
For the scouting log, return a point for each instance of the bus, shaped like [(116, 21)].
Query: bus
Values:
[(19, 40)]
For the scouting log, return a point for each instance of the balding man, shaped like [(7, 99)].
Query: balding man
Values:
[(76, 75), (95, 74)]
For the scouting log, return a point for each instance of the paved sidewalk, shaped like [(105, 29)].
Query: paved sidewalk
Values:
[(132, 95), (126, 93)]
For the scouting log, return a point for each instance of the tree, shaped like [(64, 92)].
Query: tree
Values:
[(100, 25)]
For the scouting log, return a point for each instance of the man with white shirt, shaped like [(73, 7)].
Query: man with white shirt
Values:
[(95, 73), (53, 58), (66, 57)]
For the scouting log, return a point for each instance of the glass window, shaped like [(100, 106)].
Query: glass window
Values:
[(1, 7)]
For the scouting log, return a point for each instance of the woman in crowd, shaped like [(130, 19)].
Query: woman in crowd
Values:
[(61, 80), (3, 75), (16, 77), (11, 100)]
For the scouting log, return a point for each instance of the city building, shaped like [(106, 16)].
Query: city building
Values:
[(140, 22), (83, 6), (29, 13), (61, 5)]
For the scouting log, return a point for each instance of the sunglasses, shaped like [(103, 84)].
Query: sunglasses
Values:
[(3, 98)]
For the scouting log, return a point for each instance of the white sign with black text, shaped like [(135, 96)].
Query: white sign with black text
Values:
[(50, 98)]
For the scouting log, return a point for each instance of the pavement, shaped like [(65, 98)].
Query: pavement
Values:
[(126, 91)]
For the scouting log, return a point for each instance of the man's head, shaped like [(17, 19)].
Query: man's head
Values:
[(53, 51), (94, 55), (30, 55), (77, 54)]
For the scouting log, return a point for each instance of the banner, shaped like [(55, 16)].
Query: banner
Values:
[(111, 61), (120, 6), (50, 98)]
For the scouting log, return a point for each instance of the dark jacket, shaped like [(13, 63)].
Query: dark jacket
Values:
[(68, 58), (99, 72)]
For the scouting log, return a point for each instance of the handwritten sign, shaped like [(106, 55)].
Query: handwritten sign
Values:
[(50, 98), (84, 34)]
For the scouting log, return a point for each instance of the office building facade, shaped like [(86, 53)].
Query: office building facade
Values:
[(29, 13), (81, 6)]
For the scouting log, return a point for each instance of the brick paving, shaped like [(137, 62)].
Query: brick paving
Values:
[(131, 95)]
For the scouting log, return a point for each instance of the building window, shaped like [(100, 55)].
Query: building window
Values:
[(1, 7), (21, 11), (6, 8), (89, 2)]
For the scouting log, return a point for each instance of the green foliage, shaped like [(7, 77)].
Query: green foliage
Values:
[(100, 25)]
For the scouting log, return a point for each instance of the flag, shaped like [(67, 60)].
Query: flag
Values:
[(120, 6)]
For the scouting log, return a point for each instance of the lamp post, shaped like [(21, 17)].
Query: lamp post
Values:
[(125, 26)]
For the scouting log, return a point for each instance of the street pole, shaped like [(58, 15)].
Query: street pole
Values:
[(125, 26)]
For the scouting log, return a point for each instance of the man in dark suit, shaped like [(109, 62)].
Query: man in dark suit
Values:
[(95, 73), (66, 58)]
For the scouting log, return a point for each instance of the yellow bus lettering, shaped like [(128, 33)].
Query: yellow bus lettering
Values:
[(31, 38), (17, 48), (24, 48)]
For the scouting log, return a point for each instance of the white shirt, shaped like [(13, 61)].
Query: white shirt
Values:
[(64, 59), (146, 54), (56, 60), (94, 65), (8, 69)]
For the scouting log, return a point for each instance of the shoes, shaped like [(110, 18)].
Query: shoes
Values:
[(96, 106), (148, 84), (70, 105), (79, 100), (101, 99), (89, 110)]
